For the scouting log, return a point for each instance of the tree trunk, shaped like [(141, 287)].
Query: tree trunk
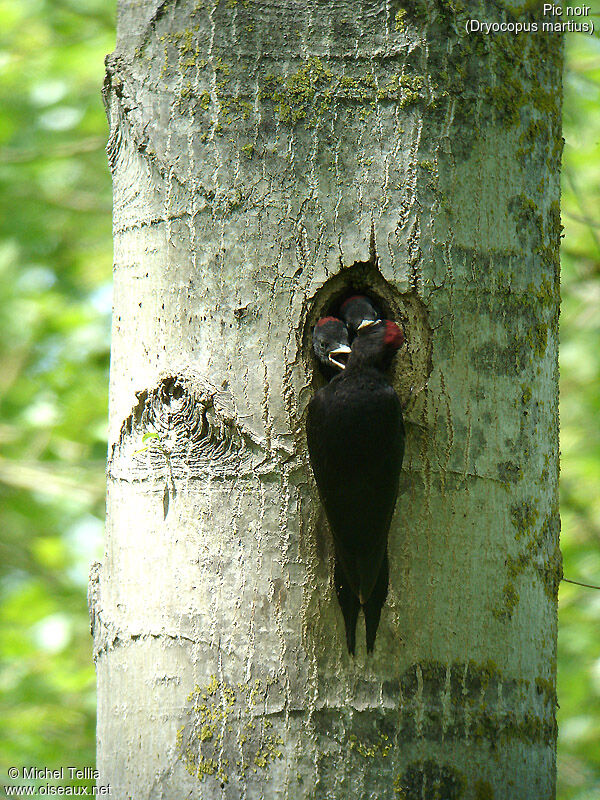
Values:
[(266, 158)]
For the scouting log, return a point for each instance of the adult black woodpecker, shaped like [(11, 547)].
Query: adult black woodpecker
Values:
[(355, 437), (358, 312), (331, 345)]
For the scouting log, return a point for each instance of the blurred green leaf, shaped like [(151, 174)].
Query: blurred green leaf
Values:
[(55, 273), (579, 607)]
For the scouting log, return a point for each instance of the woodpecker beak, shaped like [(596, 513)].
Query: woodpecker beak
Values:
[(343, 350), (366, 323)]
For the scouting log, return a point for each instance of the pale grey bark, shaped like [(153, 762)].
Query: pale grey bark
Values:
[(260, 150)]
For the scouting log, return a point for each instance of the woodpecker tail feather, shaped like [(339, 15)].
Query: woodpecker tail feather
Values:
[(372, 608), (348, 603)]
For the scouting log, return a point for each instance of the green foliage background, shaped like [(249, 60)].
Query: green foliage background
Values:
[(55, 273), (55, 290), (579, 608)]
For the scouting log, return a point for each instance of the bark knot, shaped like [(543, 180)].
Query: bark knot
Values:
[(183, 428)]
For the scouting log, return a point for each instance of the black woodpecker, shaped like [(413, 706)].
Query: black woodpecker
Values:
[(358, 312), (355, 437), (330, 345)]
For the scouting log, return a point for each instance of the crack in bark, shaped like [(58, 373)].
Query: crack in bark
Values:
[(108, 637)]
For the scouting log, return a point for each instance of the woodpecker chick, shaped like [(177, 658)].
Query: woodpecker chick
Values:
[(355, 437), (358, 312), (330, 345)]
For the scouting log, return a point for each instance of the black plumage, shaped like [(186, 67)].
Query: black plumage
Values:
[(358, 312), (355, 437), (331, 345)]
